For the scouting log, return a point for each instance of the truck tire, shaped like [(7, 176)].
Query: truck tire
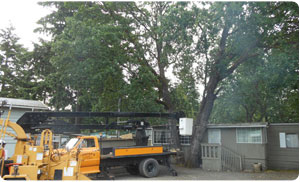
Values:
[(133, 169), (149, 167)]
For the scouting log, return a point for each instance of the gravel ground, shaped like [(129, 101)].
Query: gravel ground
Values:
[(199, 174)]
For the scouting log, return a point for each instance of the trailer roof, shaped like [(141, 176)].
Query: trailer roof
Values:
[(22, 103), (238, 125)]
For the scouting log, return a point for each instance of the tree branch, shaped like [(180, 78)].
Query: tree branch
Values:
[(218, 91), (137, 19), (242, 59), (222, 44), (162, 103)]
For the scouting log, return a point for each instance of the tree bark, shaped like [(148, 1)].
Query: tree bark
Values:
[(78, 108), (201, 122), (166, 96)]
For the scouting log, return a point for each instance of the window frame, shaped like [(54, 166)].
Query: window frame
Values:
[(216, 129), (286, 134), (237, 138), (167, 142), (182, 137), (283, 138)]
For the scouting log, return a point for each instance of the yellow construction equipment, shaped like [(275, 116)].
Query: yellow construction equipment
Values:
[(81, 159), (40, 162)]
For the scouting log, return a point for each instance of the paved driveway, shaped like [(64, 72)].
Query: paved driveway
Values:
[(199, 174)]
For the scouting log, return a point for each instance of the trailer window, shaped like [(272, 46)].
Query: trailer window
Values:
[(214, 136), (292, 141), (288, 140), (249, 135)]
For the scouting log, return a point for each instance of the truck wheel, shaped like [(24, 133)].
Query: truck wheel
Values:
[(149, 167), (133, 170)]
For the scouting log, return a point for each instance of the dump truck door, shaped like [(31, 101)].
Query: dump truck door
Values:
[(89, 155)]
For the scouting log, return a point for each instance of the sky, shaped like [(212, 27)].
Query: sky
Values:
[(23, 15)]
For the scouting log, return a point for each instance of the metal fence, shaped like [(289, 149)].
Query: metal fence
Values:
[(229, 159)]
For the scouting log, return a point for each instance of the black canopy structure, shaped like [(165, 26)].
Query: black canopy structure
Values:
[(33, 122)]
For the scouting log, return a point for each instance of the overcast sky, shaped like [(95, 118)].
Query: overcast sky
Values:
[(23, 15)]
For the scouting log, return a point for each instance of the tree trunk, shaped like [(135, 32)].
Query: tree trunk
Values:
[(78, 108), (201, 122), (166, 96), (174, 140)]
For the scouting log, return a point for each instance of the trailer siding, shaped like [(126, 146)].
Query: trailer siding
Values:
[(282, 158)]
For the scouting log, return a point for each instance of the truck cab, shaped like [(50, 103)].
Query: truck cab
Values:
[(142, 160), (88, 153)]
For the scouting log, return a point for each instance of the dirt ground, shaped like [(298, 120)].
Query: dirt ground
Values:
[(199, 174)]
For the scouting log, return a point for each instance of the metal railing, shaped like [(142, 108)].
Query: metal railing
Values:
[(229, 159)]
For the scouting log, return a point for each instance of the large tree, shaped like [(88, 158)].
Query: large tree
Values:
[(156, 46), (107, 52), (264, 91), (230, 35), (85, 59), (16, 77)]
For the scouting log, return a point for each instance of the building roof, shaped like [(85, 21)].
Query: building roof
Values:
[(224, 125), (22, 103), (237, 125), (284, 124)]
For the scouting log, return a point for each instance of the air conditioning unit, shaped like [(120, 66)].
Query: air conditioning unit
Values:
[(185, 126)]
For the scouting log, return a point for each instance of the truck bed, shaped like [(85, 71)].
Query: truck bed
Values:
[(131, 157), (131, 151)]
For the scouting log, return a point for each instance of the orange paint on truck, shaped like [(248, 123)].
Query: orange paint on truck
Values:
[(138, 151)]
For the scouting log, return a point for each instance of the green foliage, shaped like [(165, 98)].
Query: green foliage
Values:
[(156, 56), (54, 23), (233, 36), (266, 88), (85, 58), (16, 77)]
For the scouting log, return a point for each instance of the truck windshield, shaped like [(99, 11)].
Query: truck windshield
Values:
[(71, 143)]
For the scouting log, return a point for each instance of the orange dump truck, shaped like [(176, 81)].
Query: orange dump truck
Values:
[(144, 160)]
